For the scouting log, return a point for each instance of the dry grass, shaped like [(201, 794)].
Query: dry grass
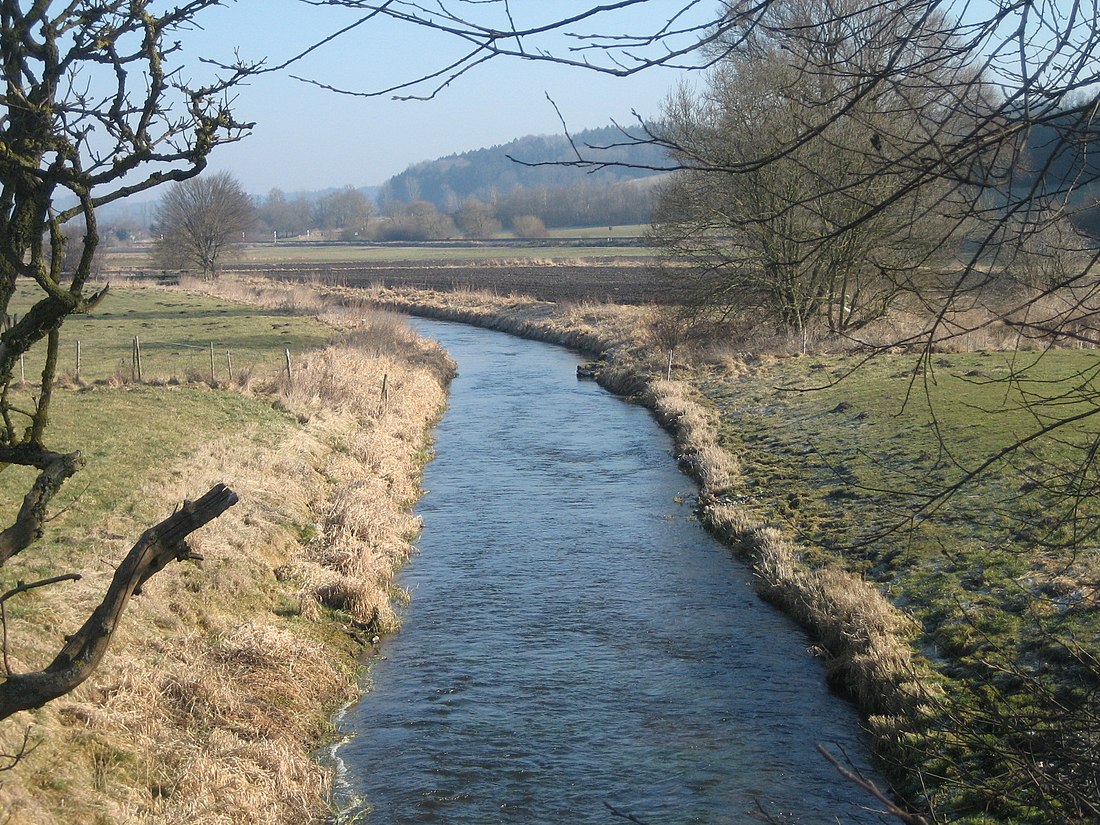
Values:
[(221, 680)]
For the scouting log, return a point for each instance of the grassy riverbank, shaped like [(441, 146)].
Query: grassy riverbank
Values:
[(968, 646), (219, 685)]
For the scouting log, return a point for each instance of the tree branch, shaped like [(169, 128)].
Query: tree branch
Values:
[(83, 651)]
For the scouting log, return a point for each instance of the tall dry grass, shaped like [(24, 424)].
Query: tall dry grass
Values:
[(220, 683)]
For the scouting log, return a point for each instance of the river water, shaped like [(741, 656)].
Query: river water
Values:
[(575, 639)]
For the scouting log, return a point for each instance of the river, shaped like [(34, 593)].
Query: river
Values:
[(575, 639)]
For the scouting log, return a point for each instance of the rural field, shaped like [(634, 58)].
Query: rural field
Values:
[(219, 685), (573, 265), (981, 664)]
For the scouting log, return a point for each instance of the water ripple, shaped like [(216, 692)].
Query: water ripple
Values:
[(575, 639)]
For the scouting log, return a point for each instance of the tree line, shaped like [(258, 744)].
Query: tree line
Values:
[(525, 211), (198, 222)]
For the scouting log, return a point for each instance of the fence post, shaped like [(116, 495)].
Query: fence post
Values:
[(212, 379), (385, 397), (136, 369), (289, 369), (78, 358), (229, 364)]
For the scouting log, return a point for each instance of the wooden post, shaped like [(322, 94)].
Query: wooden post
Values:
[(212, 378), (289, 369), (229, 364), (385, 397), (136, 370), (78, 358)]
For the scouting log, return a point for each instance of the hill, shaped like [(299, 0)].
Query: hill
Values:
[(531, 162)]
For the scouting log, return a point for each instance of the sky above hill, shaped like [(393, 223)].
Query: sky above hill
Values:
[(307, 138)]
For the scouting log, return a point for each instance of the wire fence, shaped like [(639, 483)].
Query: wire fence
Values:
[(145, 359)]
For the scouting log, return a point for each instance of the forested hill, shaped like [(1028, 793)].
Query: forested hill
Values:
[(488, 173)]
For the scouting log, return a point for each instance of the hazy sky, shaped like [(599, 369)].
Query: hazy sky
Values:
[(307, 138)]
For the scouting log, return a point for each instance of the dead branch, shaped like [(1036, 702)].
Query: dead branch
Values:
[(871, 788), (83, 651)]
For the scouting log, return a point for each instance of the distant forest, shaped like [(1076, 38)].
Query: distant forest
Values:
[(527, 184), (529, 181), (1059, 155), (526, 187), (532, 162)]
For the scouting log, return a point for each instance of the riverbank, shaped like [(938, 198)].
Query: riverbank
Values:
[(865, 640), (219, 686), (967, 659)]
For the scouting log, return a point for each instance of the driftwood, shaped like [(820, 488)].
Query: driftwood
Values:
[(83, 651)]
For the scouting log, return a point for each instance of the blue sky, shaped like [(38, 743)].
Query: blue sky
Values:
[(307, 138)]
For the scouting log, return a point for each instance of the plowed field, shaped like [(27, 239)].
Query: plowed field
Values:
[(628, 281)]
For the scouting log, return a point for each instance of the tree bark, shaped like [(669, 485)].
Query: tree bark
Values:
[(84, 650)]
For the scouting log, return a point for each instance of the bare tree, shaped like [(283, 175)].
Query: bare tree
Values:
[(347, 209), (416, 221), (476, 219), (200, 220), (284, 217), (94, 111), (788, 239)]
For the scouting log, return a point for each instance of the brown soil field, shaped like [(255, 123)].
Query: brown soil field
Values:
[(621, 280)]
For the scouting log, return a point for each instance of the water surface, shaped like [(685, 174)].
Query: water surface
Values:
[(575, 639)]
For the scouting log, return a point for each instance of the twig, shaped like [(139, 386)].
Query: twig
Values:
[(871, 788), (23, 587), (25, 750)]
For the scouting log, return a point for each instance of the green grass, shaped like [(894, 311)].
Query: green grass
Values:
[(127, 435), (436, 251), (129, 432), (175, 331), (851, 457), (860, 446)]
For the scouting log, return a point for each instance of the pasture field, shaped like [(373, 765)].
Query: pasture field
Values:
[(576, 266), (230, 666), (868, 464), (175, 332), (595, 243), (127, 430)]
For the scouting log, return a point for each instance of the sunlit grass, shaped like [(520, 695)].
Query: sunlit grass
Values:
[(175, 332), (845, 452), (503, 247)]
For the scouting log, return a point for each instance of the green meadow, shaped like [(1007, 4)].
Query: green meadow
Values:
[(932, 477)]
